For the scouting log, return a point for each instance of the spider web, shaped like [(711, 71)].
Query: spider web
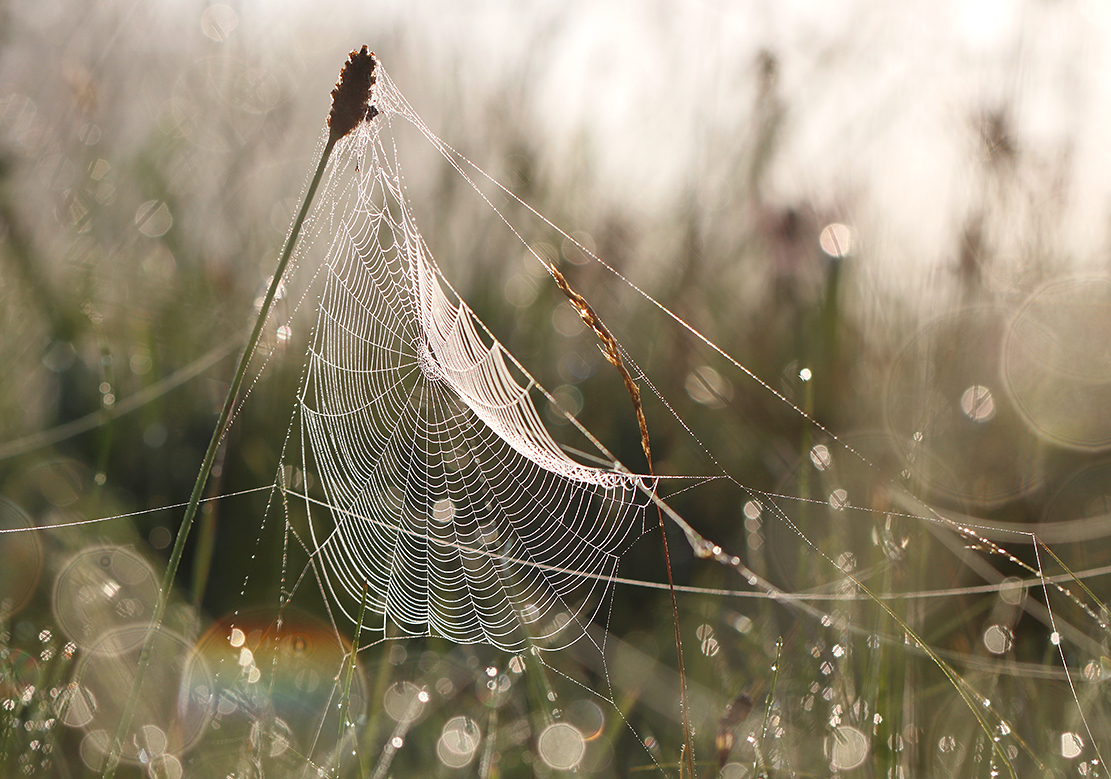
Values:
[(444, 495)]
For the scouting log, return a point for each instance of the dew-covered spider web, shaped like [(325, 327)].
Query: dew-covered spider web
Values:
[(444, 496)]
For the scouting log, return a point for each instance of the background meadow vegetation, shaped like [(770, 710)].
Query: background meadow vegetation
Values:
[(897, 220)]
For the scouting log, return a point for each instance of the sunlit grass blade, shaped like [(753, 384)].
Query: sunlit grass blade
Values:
[(350, 106)]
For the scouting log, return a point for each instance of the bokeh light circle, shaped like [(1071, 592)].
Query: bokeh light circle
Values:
[(1057, 362), (998, 639), (561, 746), (588, 717), (75, 706), (21, 559), (94, 748), (946, 412), (846, 748), (100, 590), (173, 710), (836, 240), (218, 22), (165, 767), (279, 690), (458, 742), (403, 702), (708, 387)]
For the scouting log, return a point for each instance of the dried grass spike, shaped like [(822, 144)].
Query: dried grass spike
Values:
[(351, 97), (611, 351)]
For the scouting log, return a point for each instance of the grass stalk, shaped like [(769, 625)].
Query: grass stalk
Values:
[(350, 107), (759, 768), (113, 758), (345, 722)]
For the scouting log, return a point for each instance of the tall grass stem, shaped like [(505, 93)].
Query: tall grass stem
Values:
[(113, 758)]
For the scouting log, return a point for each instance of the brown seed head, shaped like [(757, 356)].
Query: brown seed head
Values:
[(351, 97)]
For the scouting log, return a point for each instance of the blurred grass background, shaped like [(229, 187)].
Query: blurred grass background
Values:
[(911, 206)]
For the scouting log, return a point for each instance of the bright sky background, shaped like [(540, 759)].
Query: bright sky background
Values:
[(882, 103)]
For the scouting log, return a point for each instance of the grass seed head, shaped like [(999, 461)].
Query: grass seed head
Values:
[(351, 97)]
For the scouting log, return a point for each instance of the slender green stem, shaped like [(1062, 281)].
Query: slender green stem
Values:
[(758, 767), (345, 722), (113, 759)]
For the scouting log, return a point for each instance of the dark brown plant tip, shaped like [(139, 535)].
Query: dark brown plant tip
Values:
[(351, 97)]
